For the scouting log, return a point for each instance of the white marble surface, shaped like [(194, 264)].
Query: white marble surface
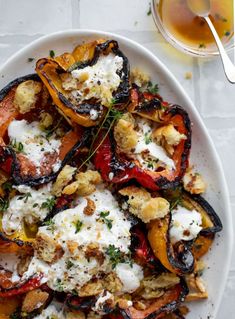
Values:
[(22, 21)]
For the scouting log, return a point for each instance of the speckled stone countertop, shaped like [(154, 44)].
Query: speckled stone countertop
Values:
[(23, 21)]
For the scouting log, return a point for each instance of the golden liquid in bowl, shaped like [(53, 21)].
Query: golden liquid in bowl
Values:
[(192, 30)]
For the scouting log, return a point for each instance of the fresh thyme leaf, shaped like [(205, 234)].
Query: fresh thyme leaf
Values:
[(104, 219), (52, 54), (25, 197), (147, 138), (113, 101), (152, 88), (174, 203), (49, 204), (149, 11), (115, 255), (35, 205), (78, 226), (4, 204), (69, 264), (30, 59), (17, 146), (50, 225), (59, 285)]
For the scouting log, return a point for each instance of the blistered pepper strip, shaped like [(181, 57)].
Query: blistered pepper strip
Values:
[(167, 303), (116, 168), (31, 284)]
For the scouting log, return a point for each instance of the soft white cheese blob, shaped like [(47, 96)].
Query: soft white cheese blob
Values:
[(34, 141), (130, 276), (185, 224), (73, 269), (51, 312), (101, 79), (27, 206), (154, 150)]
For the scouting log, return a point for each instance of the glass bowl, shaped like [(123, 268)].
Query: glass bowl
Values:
[(209, 51)]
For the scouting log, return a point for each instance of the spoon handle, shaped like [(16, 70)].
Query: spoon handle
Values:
[(229, 67)]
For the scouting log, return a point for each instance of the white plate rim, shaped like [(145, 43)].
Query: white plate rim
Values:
[(188, 101)]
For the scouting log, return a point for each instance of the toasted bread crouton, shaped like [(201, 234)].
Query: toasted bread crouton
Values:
[(46, 120), (91, 289), (63, 179), (125, 135), (85, 183), (143, 205), (112, 283), (47, 249), (33, 300), (26, 95), (90, 208), (193, 182), (139, 77)]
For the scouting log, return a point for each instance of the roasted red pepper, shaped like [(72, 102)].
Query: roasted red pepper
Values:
[(31, 284), (116, 168)]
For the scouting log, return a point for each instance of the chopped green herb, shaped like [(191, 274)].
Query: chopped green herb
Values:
[(78, 226), (69, 264), (149, 11), (115, 255), (25, 197), (202, 46), (147, 138), (174, 203), (113, 101), (107, 221), (50, 225), (59, 285), (17, 146), (52, 54), (4, 204), (49, 204), (152, 88), (35, 205), (30, 59)]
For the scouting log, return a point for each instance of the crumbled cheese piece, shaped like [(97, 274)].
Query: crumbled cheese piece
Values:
[(94, 114), (75, 232), (28, 207), (34, 141), (185, 224), (26, 95), (99, 80), (100, 302), (130, 276)]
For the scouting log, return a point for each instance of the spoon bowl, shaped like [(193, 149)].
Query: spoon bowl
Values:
[(201, 8)]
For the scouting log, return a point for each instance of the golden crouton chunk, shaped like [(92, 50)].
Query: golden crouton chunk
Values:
[(33, 300), (125, 135), (91, 289), (63, 179), (26, 95), (90, 208), (47, 249), (112, 283), (139, 77), (46, 120), (143, 205), (75, 315), (85, 183), (169, 133), (193, 182)]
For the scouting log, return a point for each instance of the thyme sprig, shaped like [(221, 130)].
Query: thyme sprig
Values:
[(110, 118)]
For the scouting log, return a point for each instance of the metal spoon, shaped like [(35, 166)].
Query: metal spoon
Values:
[(202, 9)]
